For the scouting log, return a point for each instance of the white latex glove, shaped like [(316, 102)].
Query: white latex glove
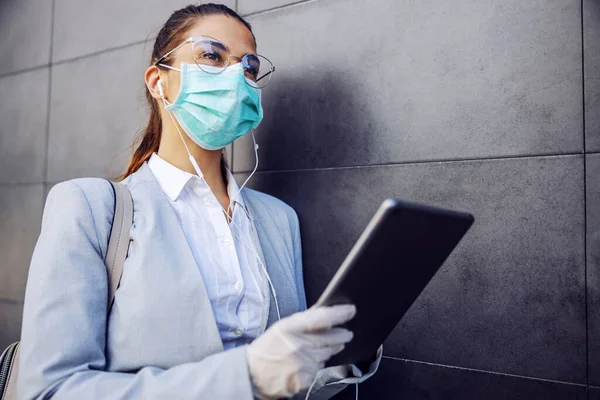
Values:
[(286, 358)]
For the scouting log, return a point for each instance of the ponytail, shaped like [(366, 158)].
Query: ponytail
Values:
[(179, 23), (148, 140)]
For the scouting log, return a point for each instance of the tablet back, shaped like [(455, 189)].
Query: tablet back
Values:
[(391, 263)]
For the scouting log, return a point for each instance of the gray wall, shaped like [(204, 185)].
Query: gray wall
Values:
[(486, 106)]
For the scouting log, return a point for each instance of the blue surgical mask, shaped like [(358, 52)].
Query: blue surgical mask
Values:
[(215, 109)]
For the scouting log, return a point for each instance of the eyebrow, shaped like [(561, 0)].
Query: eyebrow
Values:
[(219, 45)]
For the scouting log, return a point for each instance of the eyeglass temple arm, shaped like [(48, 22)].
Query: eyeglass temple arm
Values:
[(267, 74), (171, 51)]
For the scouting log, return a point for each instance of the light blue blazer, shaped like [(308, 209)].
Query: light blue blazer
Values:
[(161, 340)]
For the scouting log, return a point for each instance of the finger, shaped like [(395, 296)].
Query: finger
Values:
[(319, 355), (337, 350), (327, 352), (332, 337), (326, 317), (321, 318)]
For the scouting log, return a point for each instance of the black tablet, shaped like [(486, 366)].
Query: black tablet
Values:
[(395, 257)]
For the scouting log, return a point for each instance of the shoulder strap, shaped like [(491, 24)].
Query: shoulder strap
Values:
[(118, 244)]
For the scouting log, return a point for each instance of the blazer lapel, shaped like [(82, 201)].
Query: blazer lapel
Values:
[(265, 288), (263, 237), (146, 188)]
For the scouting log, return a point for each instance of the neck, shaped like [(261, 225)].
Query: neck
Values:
[(173, 151)]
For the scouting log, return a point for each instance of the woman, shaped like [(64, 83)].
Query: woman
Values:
[(209, 303)]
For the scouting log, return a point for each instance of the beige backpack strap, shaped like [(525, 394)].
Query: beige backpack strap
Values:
[(118, 244), (12, 355)]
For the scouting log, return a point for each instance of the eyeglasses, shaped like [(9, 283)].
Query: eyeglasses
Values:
[(209, 52)]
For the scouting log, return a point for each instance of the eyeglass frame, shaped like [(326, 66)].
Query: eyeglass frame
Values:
[(191, 40)]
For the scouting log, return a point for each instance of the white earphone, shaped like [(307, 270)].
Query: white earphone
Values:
[(240, 233), (230, 219), (160, 89), (239, 230)]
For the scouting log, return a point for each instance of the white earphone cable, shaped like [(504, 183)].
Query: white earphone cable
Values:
[(230, 219), (251, 248), (243, 239), (315, 381), (253, 171), (310, 388)]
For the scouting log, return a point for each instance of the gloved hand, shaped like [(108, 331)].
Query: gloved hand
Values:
[(286, 358)]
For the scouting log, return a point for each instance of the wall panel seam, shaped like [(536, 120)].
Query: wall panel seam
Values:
[(17, 184), (585, 214), (268, 10), (24, 71), (440, 161), (103, 51), (49, 97), (483, 371), (10, 301)]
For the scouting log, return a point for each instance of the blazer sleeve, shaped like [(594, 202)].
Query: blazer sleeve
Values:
[(64, 321), (331, 380)]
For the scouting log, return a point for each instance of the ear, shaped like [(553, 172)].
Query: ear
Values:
[(152, 79)]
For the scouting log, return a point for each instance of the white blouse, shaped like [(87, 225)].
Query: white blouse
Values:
[(228, 267)]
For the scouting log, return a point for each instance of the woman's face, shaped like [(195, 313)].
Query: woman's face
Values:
[(227, 30)]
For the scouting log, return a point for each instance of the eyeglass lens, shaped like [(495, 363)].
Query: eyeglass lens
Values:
[(215, 54)]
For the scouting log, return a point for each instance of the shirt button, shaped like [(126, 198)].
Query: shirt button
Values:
[(238, 286), (238, 332), (227, 242)]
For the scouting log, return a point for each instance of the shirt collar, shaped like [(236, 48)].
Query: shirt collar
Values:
[(172, 180)]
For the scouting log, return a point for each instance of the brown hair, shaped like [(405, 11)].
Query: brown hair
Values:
[(173, 30)]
